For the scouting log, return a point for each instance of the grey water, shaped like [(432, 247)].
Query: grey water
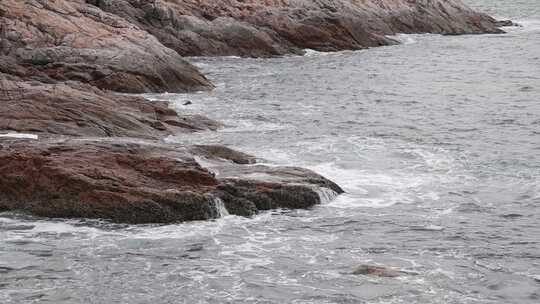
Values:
[(436, 141)]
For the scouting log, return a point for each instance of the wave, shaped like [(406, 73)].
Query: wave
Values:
[(311, 53)]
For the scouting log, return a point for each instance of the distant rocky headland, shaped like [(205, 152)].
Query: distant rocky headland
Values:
[(100, 154)]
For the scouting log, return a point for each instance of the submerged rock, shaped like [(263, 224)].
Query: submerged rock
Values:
[(142, 182), (268, 28), (377, 271), (382, 271), (63, 40)]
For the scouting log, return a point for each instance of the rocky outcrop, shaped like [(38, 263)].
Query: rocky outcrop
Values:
[(134, 46), (76, 109), (144, 182), (61, 40), (59, 61), (275, 27), (377, 271)]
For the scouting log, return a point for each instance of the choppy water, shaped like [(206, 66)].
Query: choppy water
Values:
[(436, 141)]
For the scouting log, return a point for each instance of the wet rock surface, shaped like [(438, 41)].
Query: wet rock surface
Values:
[(65, 40), (141, 182), (76, 109), (267, 28)]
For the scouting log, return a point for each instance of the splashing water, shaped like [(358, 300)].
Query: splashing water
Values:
[(220, 207)]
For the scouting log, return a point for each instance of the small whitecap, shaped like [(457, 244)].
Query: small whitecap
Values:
[(311, 53), (404, 38)]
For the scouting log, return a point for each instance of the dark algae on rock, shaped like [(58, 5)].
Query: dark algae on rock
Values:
[(100, 154)]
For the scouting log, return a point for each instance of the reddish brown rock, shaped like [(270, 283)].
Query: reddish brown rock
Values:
[(61, 40), (143, 182), (276, 27), (75, 109), (123, 182)]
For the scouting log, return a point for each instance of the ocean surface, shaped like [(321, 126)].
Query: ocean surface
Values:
[(436, 141)]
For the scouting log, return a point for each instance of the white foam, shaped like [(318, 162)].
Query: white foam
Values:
[(435, 159), (19, 135), (38, 228), (444, 212), (440, 271), (244, 125), (404, 38), (61, 227), (490, 266), (4, 220), (364, 188), (201, 65), (380, 188), (310, 53)]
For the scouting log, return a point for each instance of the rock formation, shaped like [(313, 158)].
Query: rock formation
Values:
[(76, 109), (60, 40), (144, 182), (260, 28)]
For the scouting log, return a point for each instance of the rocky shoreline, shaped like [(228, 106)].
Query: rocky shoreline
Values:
[(100, 154), (145, 181)]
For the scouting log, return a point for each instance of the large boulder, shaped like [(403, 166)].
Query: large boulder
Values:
[(145, 182), (65, 40), (276, 27)]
